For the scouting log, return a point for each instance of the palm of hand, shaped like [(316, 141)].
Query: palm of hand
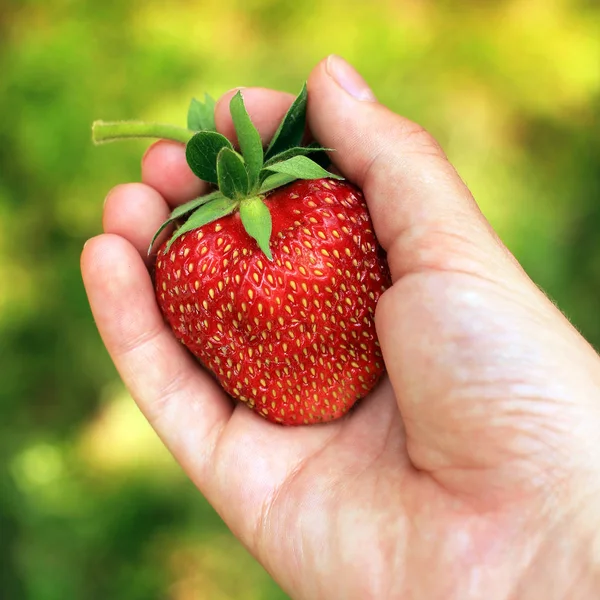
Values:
[(424, 489), (348, 501)]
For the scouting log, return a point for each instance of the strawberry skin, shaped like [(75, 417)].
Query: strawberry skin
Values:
[(293, 338)]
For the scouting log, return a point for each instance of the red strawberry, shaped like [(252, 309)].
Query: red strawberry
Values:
[(272, 279), (294, 337)]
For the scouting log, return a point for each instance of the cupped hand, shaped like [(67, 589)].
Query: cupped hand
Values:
[(470, 471)]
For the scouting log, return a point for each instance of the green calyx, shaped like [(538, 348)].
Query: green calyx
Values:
[(242, 178)]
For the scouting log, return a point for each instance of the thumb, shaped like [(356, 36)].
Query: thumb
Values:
[(470, 344), (423, 214)]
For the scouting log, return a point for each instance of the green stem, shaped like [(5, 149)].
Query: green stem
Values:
[(109, 131)]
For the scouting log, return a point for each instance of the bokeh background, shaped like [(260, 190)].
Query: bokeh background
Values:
[(91, 506)]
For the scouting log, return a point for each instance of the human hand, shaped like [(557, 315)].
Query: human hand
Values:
[(469, 472)]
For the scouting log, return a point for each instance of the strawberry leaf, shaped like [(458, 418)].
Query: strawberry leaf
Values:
[(207, 213), (296, 151), (181, 211), (248, 138), (301, 167), (192, 205), (201, 153), (291, 129), (256, 219), (275, 180), (232, 175), (201, 115)]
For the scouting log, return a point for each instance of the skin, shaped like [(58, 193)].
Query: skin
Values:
[(470, 472)]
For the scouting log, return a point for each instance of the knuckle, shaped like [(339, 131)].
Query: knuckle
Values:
[(418, 139)]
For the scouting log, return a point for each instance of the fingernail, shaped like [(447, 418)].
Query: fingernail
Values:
[(231, 92), (112, 191), (348, 78), (234, 90)]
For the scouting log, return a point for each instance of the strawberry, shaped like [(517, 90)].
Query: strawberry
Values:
[(272, 279), (292, 337)]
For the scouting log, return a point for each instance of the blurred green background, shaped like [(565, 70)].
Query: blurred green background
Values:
[(91, 506)]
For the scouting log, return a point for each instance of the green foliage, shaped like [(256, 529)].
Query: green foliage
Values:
[(202, 151), (311, 150), (290, 131), (184, 211), (276, 180), (301, 167), (232, 175), (256, 219), (201, 115), (248, 139), (109, 131), (90, 505), (218, 207), (241, 177)]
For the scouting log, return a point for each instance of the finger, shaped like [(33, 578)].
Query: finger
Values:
[(135, 211), (165, 169), (423, 214), (265, 107), (227, 453), (180, 400)]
